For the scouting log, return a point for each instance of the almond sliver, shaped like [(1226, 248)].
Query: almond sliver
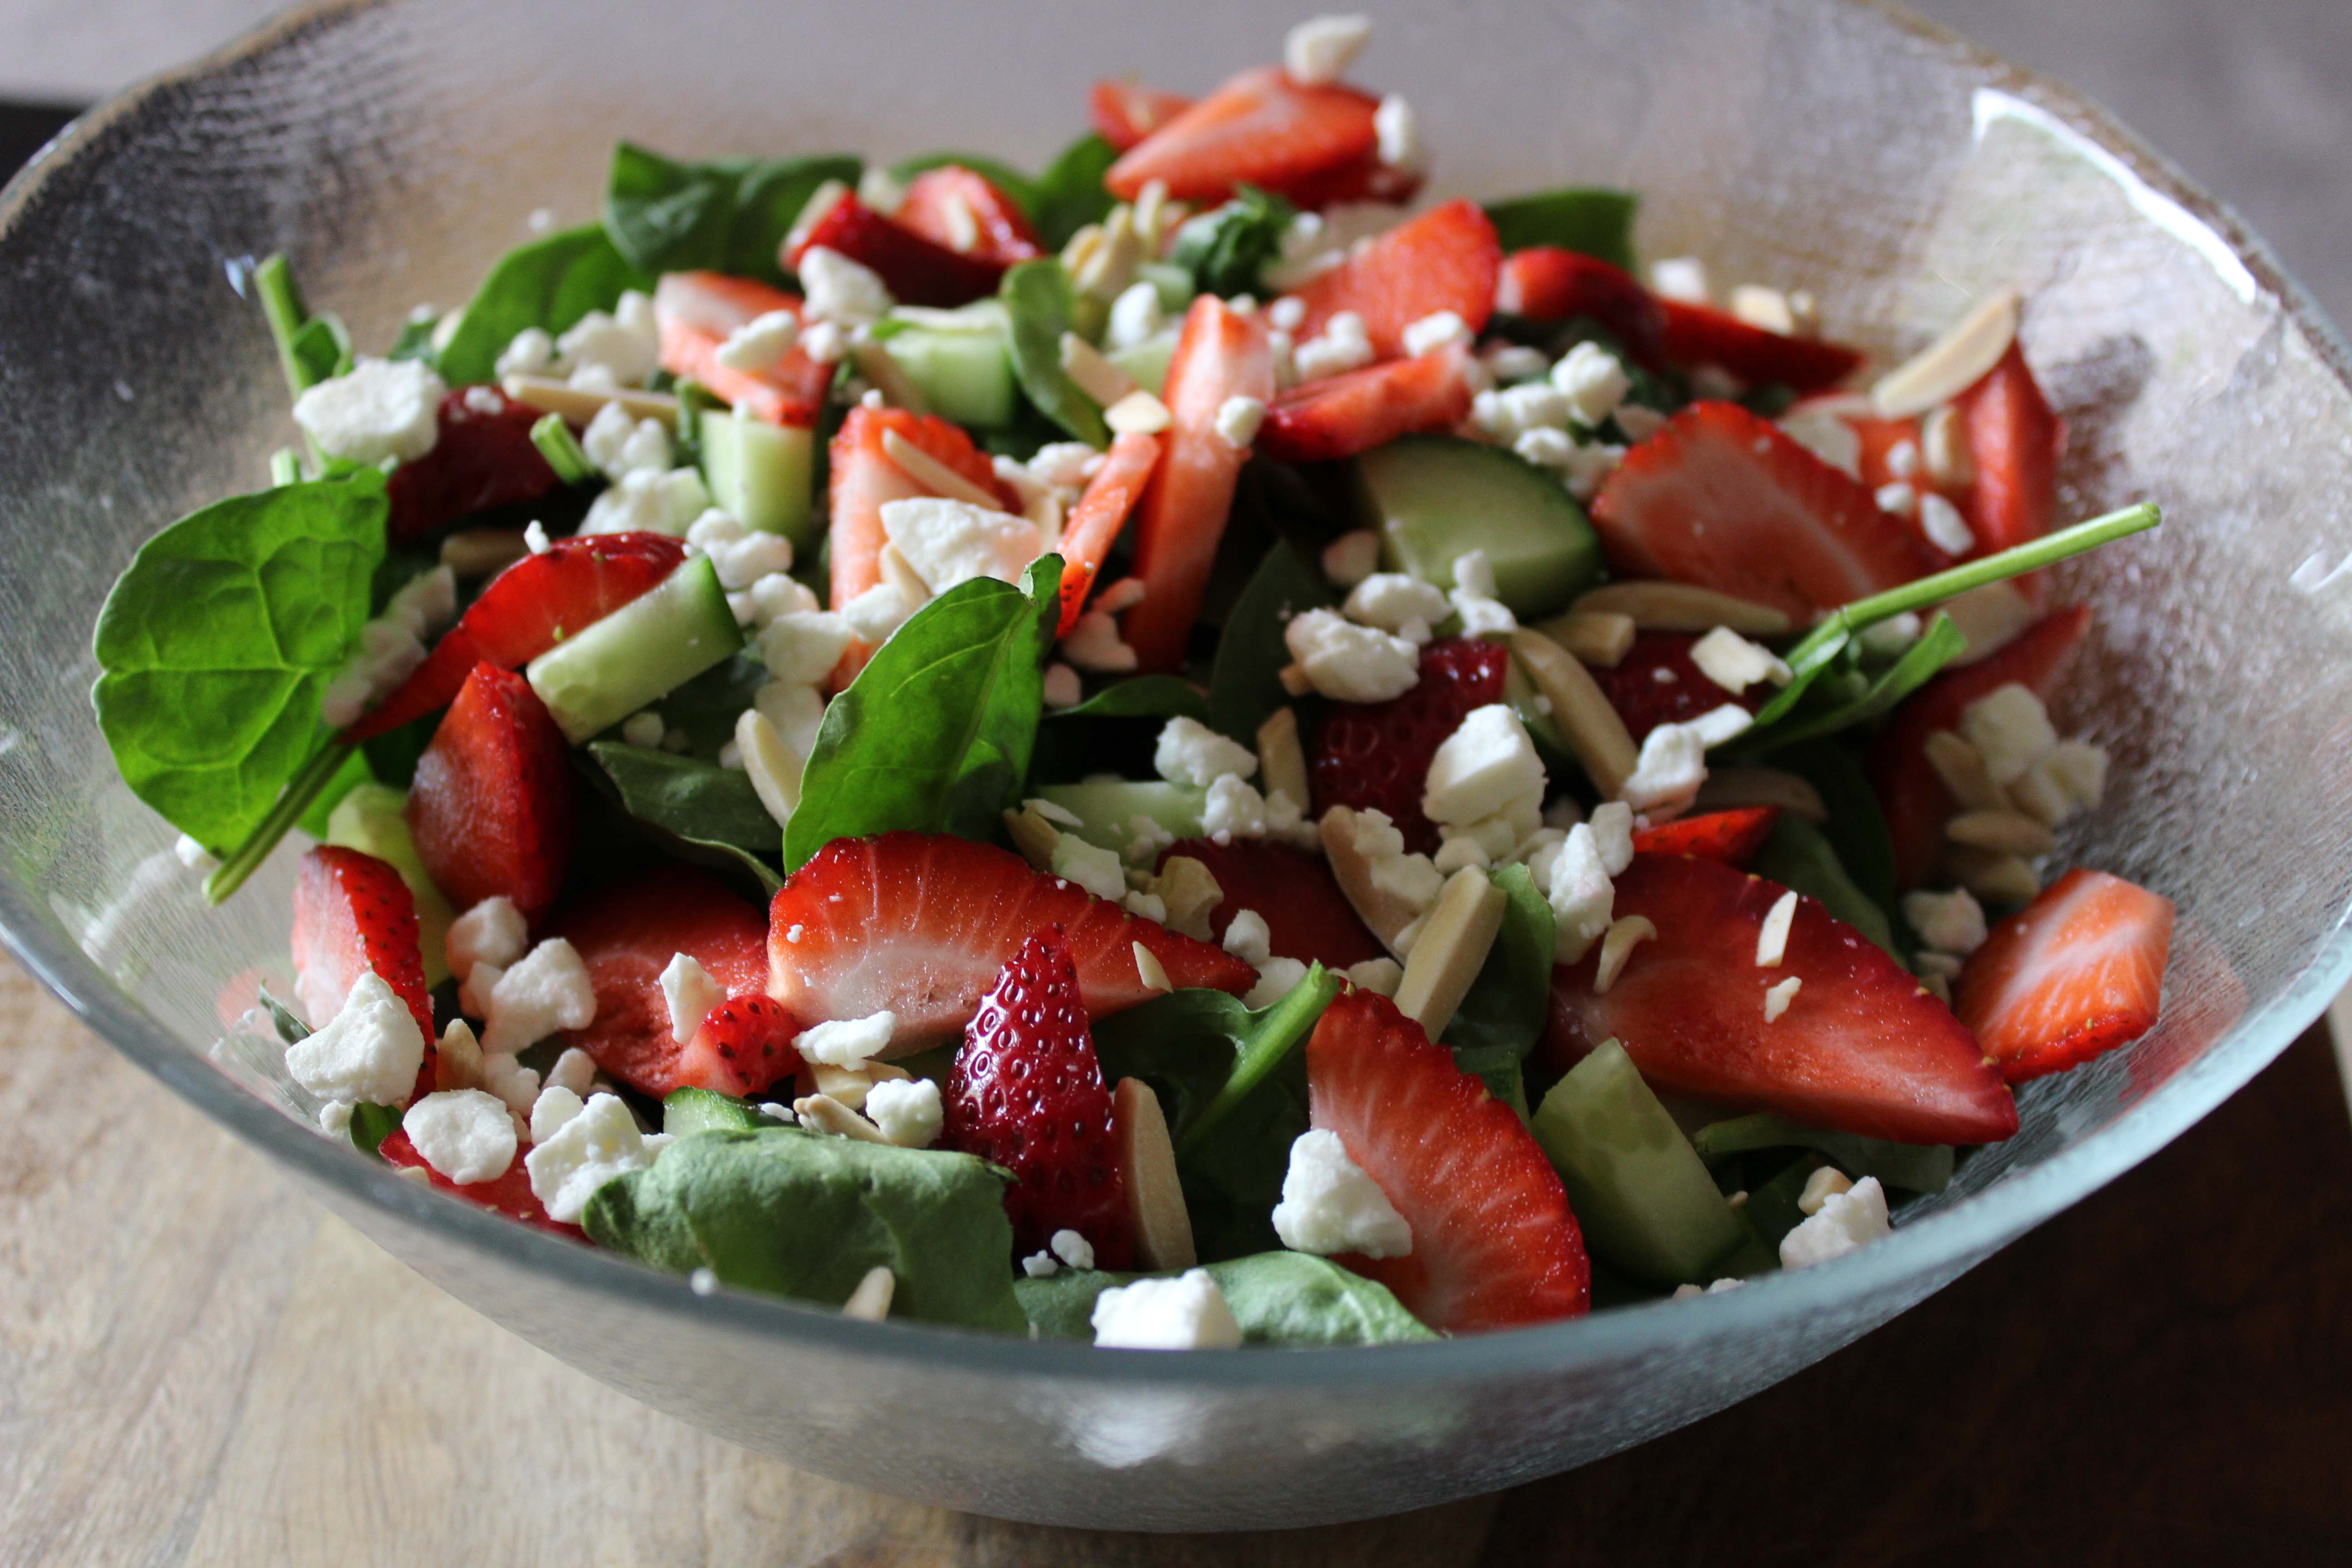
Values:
[(1681, 607), (1952, 363)]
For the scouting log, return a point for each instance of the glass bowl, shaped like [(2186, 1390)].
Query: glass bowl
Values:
[(394, 148)]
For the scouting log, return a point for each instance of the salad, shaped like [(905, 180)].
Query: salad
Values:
[(1193, 749)]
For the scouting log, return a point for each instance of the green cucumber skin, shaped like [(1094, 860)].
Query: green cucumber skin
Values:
[(642, 651), (965, 376), (692, 1110), (1148, 362), (761, 474), (1434, 497), (1640, 1191), (1105, 809)]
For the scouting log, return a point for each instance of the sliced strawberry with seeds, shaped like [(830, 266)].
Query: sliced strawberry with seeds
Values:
[(963, 210), (1375, 757), (918, 271), (1220, 355), (494, 801), (1657, 683), (696, 312), (1446, 259), (1125, 113), (527, 609), (744, 1046), (919, 924), (352, 914), (1861, 1048), (2076, 972), (1095, 523), (1730, 837), (482, 456), (1697, 335), (1341, 415), (1259, 129), (1307, 916), (626, 934), (1495, 1244), (2014, 442), (509, 1194), (1026, 1093), (1723, 499), (1545, 283)]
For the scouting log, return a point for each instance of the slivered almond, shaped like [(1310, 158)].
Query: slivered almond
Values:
[(1995, 877), (1772, 937), (1106, 272), (1946, 447), (1294, 681), (1990, 617), (1952, 363), (1962, 769), (1727, 789), (1386, 912), (1616, 947), (580, 405), (1281, 760), (1451, 950), (1152, 213), (886, 375), (772, 765), (1681, 607), (821, 200), (822, 1113), (1147, 1157), (1579, 710), (933, 475), (2004, 832), (1600, 637), (1138, 413), (871, 1299), (899, 573), (1080, 247), (1032, 836), (479, 551), (1097, 376), (1150, 971), (847, 1085), (1189, 891)]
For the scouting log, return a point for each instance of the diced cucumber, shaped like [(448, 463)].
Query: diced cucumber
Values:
[(370, 819), (1174, 283), (761, 473), (1799, 856), (1640, 1191), (965, 374), (1105, 809), (1148, 361), (639, 652), (1914, 1167), (706, 1110), (1435, 498)]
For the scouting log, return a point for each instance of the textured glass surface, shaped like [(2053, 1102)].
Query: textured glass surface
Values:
[(395, 149)]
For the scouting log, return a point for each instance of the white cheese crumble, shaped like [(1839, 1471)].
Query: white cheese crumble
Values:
[(584, 1150), (741, 556), (1189, 752), (837, 289), (1946, 528), (1136, 318), (1072, 1250), (619, 445), (1331, 1204), (1319, 51), (377, 409), (762, 342), (1350, 663), (1094, 869), (1352, 557), (1094, 644), (1343, 345), (1847, 1221), (547, 990), (1734, 663), (466, 1135), (647, 501), (800, 647), (1592, 382), (1393, 601), (1440, 329), (907, 1110), (1399, 140), (1238, 419), (610, 351), (690, 993), (1681, 278), (846, 1042), (1485, 764), (1669, 770), (1379, 975), (948, 541), (368, 1053), (1951, 923), (575, 1069), (1186, 1313)]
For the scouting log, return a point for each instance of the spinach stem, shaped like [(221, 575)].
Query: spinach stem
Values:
[(282, 308), (300, 790), (1286, 1024)]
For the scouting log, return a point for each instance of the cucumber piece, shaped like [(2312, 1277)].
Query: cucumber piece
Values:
[(1640, 1191), (1799, 856), (1174, 283), (708, 1110), (641, 651), (372, 820), (761, 473), (1104, 808), (965, 374), (1434, 497), (1148, 361), (1914, 1167)]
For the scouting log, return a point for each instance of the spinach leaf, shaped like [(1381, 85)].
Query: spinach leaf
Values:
[(793, 1214), (550, 283), (372, 1124), (1069, 194), (1590, 220), (706, 707), (935, 733), (217, 644), (1247, 683), (1798, 856), (1914, 1167), (1003, 176), (722, 215), (1227, 248), (1286, 1299), (1503, 1012), (1830, 710), (1857, 828), (289, 1028), (1142, 697), (415, 340), (310, 349), (699, 801), (1040, 302)]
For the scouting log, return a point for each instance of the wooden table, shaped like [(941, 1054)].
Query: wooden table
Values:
[(199, 1367)]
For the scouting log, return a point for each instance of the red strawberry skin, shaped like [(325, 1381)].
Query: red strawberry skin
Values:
[(1096, 521), (481, 458), (1495, 1244), (1448, 258), (352, 913), (1644, 701), (1730, 837), (694, 312), (1124, 112), (627, 933), (494, 803), (1698, 335), (1259, 129), (918, 271), (2074, 973), (1726, 499), (1375, 757), (1307, 916), (1341, 415), (1545, 283), (2014, 444), (509, 1194), (1001, 232), (919, 925), (1027, 1093), (745, 1045), (1861, 1050)]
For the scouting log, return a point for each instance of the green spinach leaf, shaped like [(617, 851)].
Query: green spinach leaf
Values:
[(1799, 856), (1827, 712), (1142, 697), (1040, 304), (722, 215), (550, 284), (1503, 1013), (1857, 828), (1247, 683), (310, 349), (1227, 248), (217, 644), (1590, 219), (372, 1124), (935, 733), (1282, 1299), (1914, 1167), (1069, 194), (699, 801)]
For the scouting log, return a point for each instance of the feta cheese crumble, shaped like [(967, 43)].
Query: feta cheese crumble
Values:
[(1186, 1313), (465, 1134), (377, 410), (547, 990), (1189, 752), (1846, 1222), (907, 1110), (1331, 1204), (1319, 51), (846, 1042), (368, 1053), (950, 541), (581, 1151), (1350, 663), (690, 993)]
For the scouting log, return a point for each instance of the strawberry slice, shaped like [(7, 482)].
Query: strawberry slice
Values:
[(1220, 355), (744, 1046), (527, 609), (1026, 1093), (1862, 1048), (627, 933), (1375, 757), (1125, 113), (509, 1194), (918, 271), (1367, 179), (2075, 972), (990, 226), (1115, 489), (919, 924), (1446, 259), (1355, 411), (1657, 683), (1545, 283), (1910, 792), (2014, 444), (1698, 335), (1259, 129), (352, 913), (1730, 837), (695, 312), (494, 803), (482, 456), (1495, 1244), (1307, 916), (1727, 500)]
